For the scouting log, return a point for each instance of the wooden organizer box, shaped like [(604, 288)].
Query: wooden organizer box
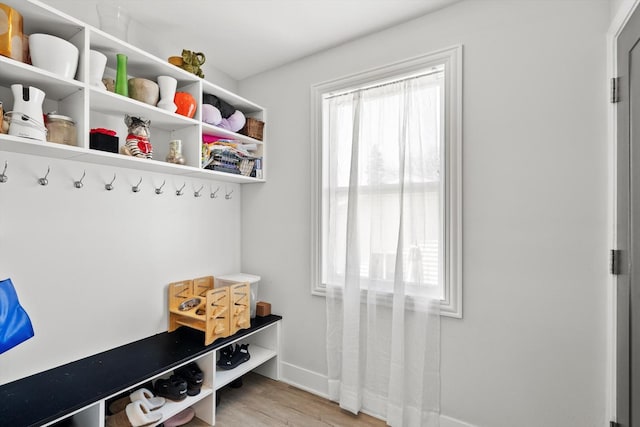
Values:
[(218, 312)]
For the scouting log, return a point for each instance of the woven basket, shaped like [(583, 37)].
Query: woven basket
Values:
[(253, 128)]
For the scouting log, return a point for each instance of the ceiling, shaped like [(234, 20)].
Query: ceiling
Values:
[(246, 37)]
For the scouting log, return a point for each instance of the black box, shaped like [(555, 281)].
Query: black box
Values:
[(103, 142)]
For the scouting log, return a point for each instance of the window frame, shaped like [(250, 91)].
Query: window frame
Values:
[(451, 58)]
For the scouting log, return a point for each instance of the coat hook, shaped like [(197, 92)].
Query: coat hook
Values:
[(44, 180), (214, 193), (179, 192), (79, 184), (228, 195), (197, 193), (3, 176), (109, 186), (136, 187), (159, 189)]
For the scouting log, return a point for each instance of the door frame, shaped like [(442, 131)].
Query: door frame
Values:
[(618, 22)]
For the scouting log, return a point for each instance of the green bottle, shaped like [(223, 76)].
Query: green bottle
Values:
[(122, 84)]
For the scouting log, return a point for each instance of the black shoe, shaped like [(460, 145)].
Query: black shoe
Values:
[(242, 352), (174, 388), (239, 355), (194, 377), (226, 354)]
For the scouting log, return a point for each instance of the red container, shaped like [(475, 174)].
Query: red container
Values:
[(186, 104)]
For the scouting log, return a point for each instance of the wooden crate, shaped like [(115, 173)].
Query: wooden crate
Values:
[(208, 312), (218, 312), (239, 300)]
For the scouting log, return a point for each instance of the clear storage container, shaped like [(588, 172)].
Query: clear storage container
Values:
[(231, 279)]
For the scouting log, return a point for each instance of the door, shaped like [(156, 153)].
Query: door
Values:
[(628, 226)]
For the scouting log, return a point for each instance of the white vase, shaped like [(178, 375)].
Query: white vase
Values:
[(97, 63), (168, 87)]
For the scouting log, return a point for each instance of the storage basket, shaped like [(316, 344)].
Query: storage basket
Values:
[(253, 128)]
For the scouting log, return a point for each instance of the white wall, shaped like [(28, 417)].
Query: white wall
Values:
[(530, 350), (153, 39), (91, 267)]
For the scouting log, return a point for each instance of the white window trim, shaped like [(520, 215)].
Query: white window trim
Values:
[(451, 305)]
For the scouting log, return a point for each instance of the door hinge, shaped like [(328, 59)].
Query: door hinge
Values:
[(614, 266), (615, 90), (613, 424)]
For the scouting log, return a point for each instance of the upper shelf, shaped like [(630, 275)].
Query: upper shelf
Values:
[(39, 17), (60, 151), (56, 87)]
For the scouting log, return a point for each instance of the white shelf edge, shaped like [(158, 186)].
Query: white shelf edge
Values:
[(15, 144), (259, 355), (236, 100), (117, 102), (208, 129)]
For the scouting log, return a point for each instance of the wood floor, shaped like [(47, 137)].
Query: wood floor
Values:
[(262, 402)]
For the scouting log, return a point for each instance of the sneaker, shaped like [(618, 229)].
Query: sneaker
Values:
[(194, 377), (173, 388), (239, 355), (226, 354)]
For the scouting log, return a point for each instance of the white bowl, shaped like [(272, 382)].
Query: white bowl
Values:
[(53, 54)]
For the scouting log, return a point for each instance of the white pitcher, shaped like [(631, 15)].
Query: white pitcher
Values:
[(26, 118)]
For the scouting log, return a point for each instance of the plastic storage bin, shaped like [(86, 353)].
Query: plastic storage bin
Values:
[(231, 279)]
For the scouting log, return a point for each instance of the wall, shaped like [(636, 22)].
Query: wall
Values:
[(154, 40), (531, 348), (91, 266)]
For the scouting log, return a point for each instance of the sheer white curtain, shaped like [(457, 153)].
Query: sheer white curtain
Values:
[(381, 244)]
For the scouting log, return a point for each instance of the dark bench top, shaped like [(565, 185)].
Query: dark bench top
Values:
[(52, 394)]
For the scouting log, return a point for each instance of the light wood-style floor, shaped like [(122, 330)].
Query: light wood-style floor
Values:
[(262, 402)]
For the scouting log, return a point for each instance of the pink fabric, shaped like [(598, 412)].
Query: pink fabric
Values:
[(180, 418)]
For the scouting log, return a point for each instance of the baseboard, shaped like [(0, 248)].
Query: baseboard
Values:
[(452, 422), (316, 383), (304, 379)]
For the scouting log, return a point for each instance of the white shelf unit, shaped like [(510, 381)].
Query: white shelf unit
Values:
[(264, 348), (91, 107)]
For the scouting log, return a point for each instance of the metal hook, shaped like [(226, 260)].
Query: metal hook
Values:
[(179, 192), (109, 186), (44, 180), (136, 187), (79, 184), (3, 176), (214, 193), (159, 189), (197, 193), (228, 195)]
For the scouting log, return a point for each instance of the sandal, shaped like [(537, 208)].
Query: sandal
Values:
[(143, 395), (173, 388), (181, 418), (136, 414)]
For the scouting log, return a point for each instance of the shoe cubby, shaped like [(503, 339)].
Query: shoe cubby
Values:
[(90, 384), (92, 107), (202, 403)]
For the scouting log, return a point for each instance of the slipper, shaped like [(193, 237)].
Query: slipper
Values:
[(143, 395), (136, 414), (181, 418), (174, 388)]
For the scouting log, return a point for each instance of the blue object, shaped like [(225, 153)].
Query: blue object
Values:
[(15, 325)]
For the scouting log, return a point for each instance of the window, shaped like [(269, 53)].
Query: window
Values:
[(421, 98)]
